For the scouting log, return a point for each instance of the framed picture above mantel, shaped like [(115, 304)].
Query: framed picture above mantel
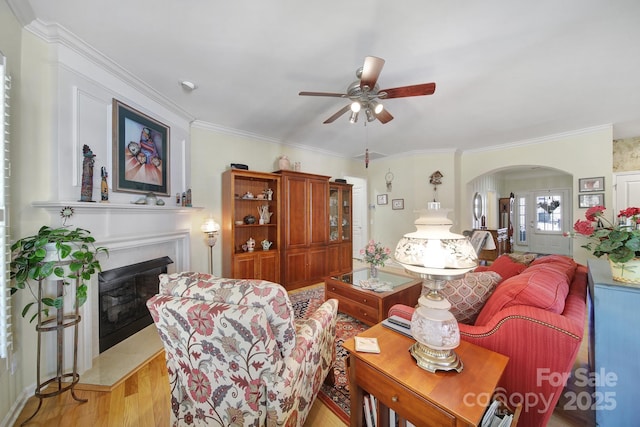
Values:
[(140, 152)]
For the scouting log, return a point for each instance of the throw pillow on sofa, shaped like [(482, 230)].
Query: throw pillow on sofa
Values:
[(468, 294), (508, 265), (543, 286)]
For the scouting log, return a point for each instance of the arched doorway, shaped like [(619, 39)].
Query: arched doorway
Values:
[(542, 209)]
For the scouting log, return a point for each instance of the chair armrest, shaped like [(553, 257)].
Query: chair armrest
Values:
[(402, 310)]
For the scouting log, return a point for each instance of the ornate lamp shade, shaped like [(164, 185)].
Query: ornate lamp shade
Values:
[(436, 255)]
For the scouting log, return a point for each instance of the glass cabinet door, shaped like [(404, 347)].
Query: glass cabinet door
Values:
[(346, 214), (334, 214)]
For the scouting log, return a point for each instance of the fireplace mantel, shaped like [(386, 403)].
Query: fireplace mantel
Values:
[(99, 206)]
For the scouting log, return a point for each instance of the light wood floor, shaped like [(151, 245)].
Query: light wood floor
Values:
[(143, 400)]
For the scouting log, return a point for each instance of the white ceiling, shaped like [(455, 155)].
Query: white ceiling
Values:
[(506, 70)]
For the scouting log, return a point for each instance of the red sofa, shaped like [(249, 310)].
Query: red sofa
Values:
[(536, 317)]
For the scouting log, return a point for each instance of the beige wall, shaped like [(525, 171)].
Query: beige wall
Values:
[(213, 151)]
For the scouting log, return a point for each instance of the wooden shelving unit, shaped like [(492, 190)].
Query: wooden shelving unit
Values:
[(236, 206)]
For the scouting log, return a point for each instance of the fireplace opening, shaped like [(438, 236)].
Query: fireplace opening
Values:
[(122, 295)]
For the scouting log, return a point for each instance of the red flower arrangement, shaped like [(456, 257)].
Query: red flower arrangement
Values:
[(620, 242)]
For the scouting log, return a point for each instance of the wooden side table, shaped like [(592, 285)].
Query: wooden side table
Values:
[(421, 397)]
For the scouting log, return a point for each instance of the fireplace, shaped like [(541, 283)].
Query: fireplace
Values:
[(122, 296)]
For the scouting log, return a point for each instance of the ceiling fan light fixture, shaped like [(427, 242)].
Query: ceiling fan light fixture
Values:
[(377, 107), (355, 106), (354, 117), (370, 116)]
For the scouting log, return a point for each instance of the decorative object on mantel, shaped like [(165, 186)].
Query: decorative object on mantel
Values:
[(62, 255), (436, 255), (211, 228), (620, 241), (375, 255), (104, 186), (86, 191)]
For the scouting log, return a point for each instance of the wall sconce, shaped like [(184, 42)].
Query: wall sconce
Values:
[(211, 228), (436, 255)]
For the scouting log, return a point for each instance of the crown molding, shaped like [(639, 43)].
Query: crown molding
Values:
[(56, 34), (22, 10)]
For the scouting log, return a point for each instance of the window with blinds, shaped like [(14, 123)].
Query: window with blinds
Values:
[(5, 285)]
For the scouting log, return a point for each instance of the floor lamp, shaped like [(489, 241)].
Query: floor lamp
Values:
[(211, 229)]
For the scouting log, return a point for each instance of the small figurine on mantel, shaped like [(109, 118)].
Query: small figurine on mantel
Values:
[(104, 186), (86, 191)]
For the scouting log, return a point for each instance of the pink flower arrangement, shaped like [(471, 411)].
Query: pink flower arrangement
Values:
[(374, 253), (620, 242)]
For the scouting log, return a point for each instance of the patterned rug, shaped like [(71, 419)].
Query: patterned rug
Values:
[(337, 397)]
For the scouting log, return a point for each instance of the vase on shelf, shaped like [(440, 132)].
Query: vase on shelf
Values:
[(628, 272), (373, 271)]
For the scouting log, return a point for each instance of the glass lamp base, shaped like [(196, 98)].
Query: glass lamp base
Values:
[(433, 360)]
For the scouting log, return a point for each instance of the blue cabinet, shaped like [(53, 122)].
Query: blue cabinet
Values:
[(614, 347)]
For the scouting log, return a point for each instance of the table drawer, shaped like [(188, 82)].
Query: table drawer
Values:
[(368, 315), (404, 402), (353, 294)]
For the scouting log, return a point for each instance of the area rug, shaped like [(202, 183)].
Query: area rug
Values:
[(336, 397)]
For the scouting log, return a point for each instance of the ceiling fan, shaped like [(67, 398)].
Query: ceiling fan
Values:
[(365, 93)]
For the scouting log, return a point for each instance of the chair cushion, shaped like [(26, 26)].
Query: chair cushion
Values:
[(271, 297), (469, 294)]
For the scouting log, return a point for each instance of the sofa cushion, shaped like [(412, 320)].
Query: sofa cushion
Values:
[(545, 286), (469, 294), (507, 265)]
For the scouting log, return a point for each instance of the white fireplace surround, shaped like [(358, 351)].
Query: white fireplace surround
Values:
[(132, 234)]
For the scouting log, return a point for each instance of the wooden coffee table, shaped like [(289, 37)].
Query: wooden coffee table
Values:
[(418, 396), (368, 306)]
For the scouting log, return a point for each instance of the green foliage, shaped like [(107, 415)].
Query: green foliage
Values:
[(74, 248)]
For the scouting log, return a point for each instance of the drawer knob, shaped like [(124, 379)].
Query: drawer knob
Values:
[(364, 300), (333, 289), (394, 398)]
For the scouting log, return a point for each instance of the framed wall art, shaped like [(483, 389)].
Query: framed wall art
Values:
[(591, 184), (140, 152), (590, 200), (397, 204), (382, 199)]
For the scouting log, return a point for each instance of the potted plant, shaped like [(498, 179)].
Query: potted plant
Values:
[(54, 253)]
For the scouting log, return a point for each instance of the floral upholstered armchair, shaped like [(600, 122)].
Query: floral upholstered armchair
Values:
[(236, 356)]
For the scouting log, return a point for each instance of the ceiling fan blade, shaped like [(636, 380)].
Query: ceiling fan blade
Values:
[(335, 95), (404, 91), (384, 116), (371, 71), (338, 114)]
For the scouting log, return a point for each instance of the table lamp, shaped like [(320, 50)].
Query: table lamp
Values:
[(436, 255), (211, 228)]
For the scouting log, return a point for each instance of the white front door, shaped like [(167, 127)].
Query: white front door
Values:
[(550, 216), (359, 221)]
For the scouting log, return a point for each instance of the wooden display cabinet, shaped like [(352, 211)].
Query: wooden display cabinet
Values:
[(305, 231), (237, 262), (340, 250)]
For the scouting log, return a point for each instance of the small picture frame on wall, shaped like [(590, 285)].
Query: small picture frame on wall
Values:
[(382, 199), (590, 200), (397, 204), (591, 184)]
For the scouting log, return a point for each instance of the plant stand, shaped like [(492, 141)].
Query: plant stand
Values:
[(58, 323)]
